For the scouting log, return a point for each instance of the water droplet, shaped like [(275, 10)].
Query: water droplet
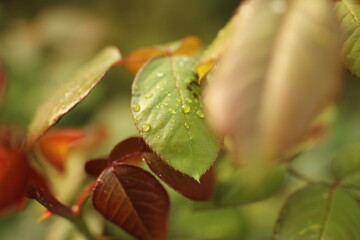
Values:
[(186, 125), (188, 100), (157, 136), (279, 6), (169, 94), (160, 74), (136, 107), (200, 113), (186, 108), (173, 111), (172, 120), (145, 128), (149, 96)]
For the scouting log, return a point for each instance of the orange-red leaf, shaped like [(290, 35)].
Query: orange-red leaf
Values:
[(187, 186), (137, 58), (134, 200), (14, 173), (55, 145), (187, 46)]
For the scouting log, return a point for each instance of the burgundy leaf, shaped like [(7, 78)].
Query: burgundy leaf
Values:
[(134, 200), (94, 167), (128, 151), (187, 186)]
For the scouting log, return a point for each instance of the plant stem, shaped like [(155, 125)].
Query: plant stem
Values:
[(45, 198), (299, 175)]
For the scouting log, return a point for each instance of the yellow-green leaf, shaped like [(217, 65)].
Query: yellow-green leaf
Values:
[(71, 93), (349, 14)]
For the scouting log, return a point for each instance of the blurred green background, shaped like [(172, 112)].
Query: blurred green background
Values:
[(43, 42)]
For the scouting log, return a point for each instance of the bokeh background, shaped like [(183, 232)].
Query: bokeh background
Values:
[(43, 42)]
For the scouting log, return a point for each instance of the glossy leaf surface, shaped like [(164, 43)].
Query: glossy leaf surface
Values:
[(270, 83), (346, 166), (349, 14), (187, 186), (187, 46), (168, 113), (319, 212), (134, 200), (71, 93)]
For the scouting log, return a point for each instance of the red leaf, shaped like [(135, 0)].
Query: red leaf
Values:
[(129, 151), (56, 144), (134, 200), (185, 185), (94, 167), (14, 173)]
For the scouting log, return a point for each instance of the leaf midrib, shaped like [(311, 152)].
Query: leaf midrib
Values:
[(174, 71)]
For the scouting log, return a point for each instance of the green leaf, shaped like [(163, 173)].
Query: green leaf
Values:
[(270, 84), (167, 110), (71, 93), (249, 184), (346, 166), (317, 212), (349, 14)]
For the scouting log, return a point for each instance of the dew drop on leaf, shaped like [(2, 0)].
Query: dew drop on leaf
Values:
[(160, 74), (186, 108), (200, 114), (136, 107), (145, 128), (149, 96), (186, 125), (173, 111)]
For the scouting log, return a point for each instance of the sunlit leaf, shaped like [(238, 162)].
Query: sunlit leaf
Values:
[(71, 93), (187, 186), (55, 145), (14, 173), (167, 110), (187, 46), (216, 48), (319, 212), (349, 14), (270, 84), (249, 184), (134, 200), (346, 166)]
